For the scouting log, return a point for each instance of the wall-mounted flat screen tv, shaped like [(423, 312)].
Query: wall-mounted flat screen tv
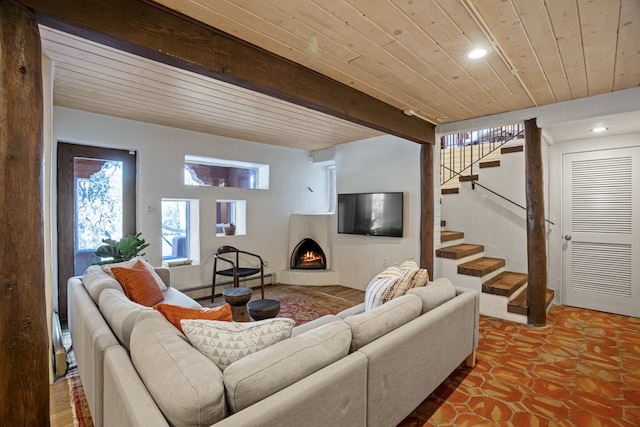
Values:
[(371, 214)]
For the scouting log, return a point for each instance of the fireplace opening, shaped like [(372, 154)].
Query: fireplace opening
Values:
[(308, 255)]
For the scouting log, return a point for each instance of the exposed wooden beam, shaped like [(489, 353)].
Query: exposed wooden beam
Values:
[(536, 236), (152, 31), (426, 209), (24, 383)]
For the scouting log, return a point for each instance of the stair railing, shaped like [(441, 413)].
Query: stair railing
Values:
[(467, 148), (473, 187)]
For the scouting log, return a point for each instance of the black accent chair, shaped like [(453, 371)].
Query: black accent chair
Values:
[(230, 256)]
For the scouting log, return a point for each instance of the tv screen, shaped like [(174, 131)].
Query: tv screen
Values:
[(371, 214)]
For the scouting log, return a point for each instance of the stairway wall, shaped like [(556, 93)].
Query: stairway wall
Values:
[(489, 220)]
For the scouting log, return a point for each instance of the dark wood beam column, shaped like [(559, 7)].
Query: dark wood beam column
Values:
[(426, 211), (151, 31), (536, 236), (24, 382)]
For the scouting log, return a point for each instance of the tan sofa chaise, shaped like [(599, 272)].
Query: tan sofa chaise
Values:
[(352, 369)]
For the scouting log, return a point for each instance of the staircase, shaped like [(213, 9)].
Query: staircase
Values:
[(503, 293), (491, 160)]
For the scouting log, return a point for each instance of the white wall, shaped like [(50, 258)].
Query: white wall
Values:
[(384, 163), (160, 157), (556, 153)]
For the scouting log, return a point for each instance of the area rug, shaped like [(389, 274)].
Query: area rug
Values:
[(79, 405), (78, 400), (303, 304)]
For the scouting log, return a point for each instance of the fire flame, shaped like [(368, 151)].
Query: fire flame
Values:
[(310, 256)]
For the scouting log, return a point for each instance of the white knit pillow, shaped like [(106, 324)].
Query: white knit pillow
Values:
[(409, 266), (226, 342), (382, 287)]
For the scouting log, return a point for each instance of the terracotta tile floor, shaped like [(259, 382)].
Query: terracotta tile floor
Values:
[(582, 369)]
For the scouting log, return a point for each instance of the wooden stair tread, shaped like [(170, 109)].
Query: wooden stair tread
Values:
[(481, 266), (514, 149), (459, 251), (490, 164), (505, 283), (519, 304), (447, 236), (468, 178), (449, 191)]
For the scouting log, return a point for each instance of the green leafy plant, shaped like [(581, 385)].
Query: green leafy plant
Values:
[(121, 250)]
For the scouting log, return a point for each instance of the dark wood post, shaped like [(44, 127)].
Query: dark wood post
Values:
[(24, 361), (536, 236), (426, 211)]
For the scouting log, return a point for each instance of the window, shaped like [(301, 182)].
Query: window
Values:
[(225, 173), (180, 234), (331, 185), (231, 212)]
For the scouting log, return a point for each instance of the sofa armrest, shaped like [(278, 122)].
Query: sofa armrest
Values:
[(126, 399), (436, 342), (91, 337), (476, 316)]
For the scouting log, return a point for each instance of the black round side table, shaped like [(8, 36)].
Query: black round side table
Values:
[(261, 309), (238, 298)]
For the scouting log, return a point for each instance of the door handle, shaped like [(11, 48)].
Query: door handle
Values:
[(567, 237)]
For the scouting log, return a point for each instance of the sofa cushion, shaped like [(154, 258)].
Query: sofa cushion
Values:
[(95, 280), (306, 327), (437, 292), (226, 342), (108, 268), (120, 313), (138, 284), (175, 313), (175, 297), (356, 309), (268, 371), (375, 323), (186, 386)]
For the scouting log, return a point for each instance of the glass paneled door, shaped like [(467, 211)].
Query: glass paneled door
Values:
[(96, 200)]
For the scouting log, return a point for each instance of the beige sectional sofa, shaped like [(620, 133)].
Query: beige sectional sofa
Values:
[(352, 369)]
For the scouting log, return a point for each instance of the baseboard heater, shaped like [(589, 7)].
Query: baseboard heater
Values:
[(59, 351), (269, 279)]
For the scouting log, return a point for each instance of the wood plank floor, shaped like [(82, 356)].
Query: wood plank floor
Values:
[(60, 411)]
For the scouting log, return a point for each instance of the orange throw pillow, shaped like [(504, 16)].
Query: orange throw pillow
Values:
[(138, 284), (175, 313)]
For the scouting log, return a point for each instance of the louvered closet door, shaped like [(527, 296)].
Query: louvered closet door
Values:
[(601, 230)]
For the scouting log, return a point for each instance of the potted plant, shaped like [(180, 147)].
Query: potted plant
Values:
[(230, 229), (121, 250)]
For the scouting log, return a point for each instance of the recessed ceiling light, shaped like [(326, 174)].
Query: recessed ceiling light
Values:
[(599, 129), (477, 53)]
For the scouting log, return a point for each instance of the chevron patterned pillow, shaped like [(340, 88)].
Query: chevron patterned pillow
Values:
[(225, 342)]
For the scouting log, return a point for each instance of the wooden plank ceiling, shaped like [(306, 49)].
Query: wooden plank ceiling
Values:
[(407, 53)]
